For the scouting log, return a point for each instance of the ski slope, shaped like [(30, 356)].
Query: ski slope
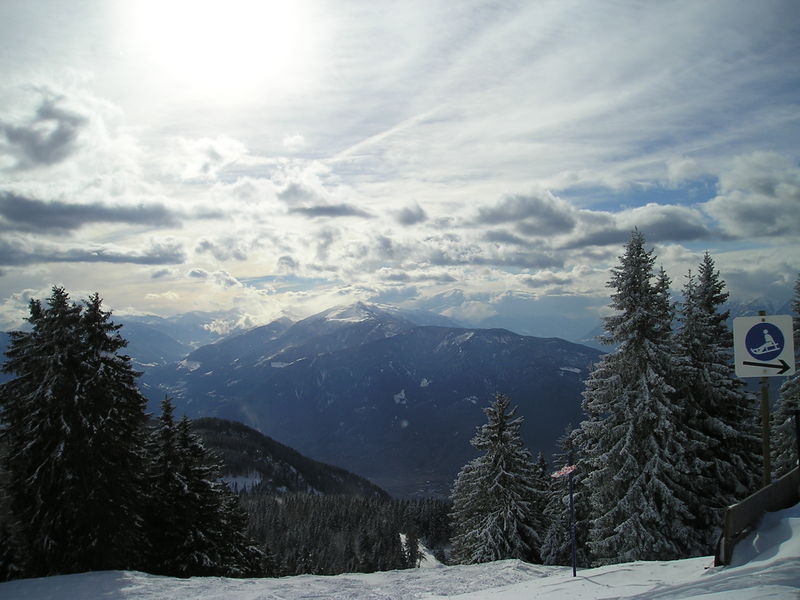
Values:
[(765, 566)]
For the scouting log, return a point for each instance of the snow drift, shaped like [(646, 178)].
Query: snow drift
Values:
[(764, 566)]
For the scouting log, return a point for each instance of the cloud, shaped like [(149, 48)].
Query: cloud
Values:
[(682, 169), (759, 196), (247, 190), (297, 192), (544, 279), (410, 215), (476, 255), (325, 240), (501, 236), (221, 279), (658, 222), (48, 137), (226, 248), (33, 215), (294, 142), (666, 223), (287, 264), (331, 210), (395, 294), (542, 214), (14, 308), (393, 276), (307, 195), (202, 159), (161, 273), (168, 295), (24, 251), (470, 311)]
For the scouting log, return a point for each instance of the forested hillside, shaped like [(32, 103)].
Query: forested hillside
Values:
[(252, 460)]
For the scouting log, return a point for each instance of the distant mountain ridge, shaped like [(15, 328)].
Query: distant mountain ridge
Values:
[(373, 391)]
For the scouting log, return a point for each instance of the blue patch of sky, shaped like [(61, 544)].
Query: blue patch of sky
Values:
[(722, 246), (688, 193), (285, 282)]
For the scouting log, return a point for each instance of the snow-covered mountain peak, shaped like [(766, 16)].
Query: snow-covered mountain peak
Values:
[(355, 313), (361, 312)]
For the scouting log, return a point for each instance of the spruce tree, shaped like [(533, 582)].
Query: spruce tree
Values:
[(10, 567), (557, 543), (411, 549), (74, 421), (165, 521), (720, 414), (195, 524), (638, 462), (784, 437), (495, 494)]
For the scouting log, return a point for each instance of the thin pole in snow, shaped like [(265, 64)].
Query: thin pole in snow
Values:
[(568, 470), (572, 526)]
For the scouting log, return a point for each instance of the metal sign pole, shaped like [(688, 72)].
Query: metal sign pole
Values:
[(568, 470), (572, 523)]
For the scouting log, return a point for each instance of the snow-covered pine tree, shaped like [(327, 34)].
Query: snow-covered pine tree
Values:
[(217, 542), (494, 495), (241, 556), (557, 543), (73, 418), (411, 549), (720, 414), (9, 560), (195, 524), (164, 519), (541, 483), (200, 551), (113, 415), (784, 438), (635, 443)]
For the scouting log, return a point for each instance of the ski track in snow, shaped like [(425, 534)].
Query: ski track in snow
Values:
[(765, 566)]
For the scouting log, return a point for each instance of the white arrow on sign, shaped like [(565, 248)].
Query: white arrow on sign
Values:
[(763, 346)]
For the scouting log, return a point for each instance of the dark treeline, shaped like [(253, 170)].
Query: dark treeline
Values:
[(88, 482), (327, 535)]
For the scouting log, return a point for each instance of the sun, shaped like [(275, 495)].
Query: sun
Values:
[(227, 48)]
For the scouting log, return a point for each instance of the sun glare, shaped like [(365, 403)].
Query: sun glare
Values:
[(228, 48)]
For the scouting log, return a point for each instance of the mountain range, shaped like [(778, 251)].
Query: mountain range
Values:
[(390, 395)]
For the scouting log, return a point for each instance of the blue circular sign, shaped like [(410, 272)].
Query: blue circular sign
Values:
[(764, 341)]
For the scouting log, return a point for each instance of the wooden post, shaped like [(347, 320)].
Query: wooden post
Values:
[(766, 475), (797, 431)]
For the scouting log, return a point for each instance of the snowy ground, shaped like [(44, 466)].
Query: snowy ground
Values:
[(766, 566)]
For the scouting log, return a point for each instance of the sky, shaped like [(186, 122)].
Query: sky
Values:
[(485, 160)]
